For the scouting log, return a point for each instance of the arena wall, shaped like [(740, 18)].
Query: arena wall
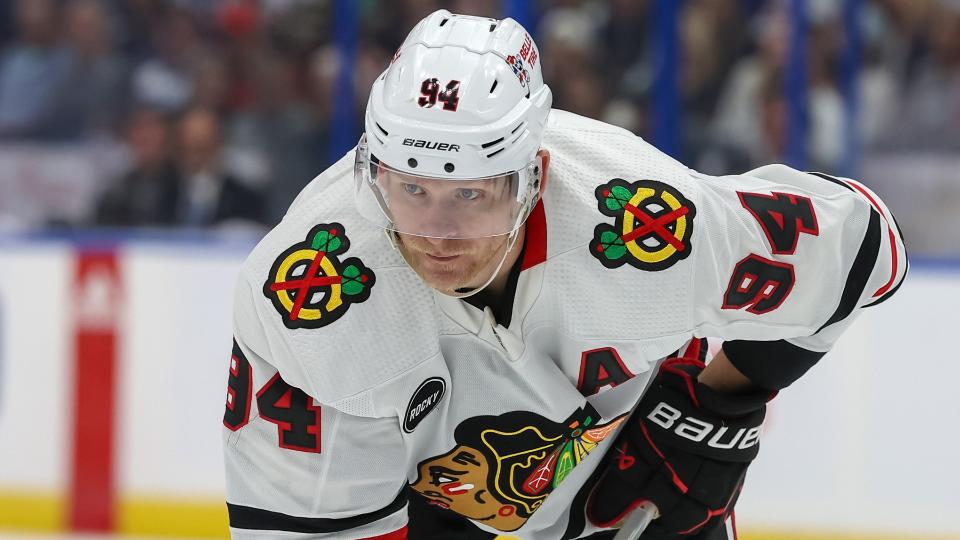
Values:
[(113, 369)]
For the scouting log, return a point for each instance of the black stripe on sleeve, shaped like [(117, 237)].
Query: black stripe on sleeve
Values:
[(770, 364), (836, 181), (246, 517), (860, 272), (899, 234)]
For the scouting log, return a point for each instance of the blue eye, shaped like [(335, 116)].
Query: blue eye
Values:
[(413, 189), (469, 194)]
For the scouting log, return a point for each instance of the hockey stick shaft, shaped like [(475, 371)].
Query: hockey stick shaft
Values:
[(637, 522)]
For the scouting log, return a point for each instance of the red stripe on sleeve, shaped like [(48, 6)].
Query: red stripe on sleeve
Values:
[(893, 239)]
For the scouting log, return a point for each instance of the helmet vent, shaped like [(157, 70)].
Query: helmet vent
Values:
[(444, 21), (495, 153), (494, 85), (514, 130), (381, 129), (491, 143), (493, 26)]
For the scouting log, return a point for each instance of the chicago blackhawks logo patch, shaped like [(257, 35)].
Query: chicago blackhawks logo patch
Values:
[(308, 284), (653, 227), (502, 468)]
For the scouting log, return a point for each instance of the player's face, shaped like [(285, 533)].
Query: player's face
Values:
[(453, 233), (461, 209), (446, 212), (451, 265)]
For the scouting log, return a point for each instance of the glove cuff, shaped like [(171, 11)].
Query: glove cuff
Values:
[(678, 411), (682, 373)]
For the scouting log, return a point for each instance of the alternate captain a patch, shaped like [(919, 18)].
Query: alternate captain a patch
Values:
[(653, 227), (310, 286)]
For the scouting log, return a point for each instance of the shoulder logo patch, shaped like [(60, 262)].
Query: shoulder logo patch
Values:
[(424, 400), (310, 286), (653, 227)]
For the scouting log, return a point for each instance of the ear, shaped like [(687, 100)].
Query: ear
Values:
[(543, 155)]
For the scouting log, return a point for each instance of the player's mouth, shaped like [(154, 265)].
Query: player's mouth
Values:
[(441, 258)]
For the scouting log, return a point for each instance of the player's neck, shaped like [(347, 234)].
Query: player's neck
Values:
[(499, 294)]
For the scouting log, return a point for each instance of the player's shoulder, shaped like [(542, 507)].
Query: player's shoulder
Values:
[(592, 161), (323, 218), (620, 218), (565, 124), (333, 297), (781, 177)]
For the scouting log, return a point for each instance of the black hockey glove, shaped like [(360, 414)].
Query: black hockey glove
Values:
[(686, 449)]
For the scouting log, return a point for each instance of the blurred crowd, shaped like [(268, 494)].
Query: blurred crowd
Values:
[(221, 109)]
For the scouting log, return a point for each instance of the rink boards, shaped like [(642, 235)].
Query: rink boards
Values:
[(113, 367)]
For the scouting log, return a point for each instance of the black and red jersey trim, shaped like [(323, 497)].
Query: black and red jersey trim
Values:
[(860, 272), (696, 349), (906, 258), (833, 180), (890, 290), (247, 517)]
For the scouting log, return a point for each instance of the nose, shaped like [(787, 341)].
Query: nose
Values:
[(436, 241), (440, 224)]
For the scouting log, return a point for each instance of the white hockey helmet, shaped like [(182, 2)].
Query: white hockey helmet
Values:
[(452, 130)]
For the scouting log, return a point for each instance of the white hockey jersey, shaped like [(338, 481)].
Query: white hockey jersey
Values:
[(350, 379)]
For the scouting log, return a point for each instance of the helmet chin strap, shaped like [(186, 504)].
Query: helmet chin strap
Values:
[(463, 292)]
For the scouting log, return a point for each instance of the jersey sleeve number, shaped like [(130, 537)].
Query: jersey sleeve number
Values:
[(296, 415), (783, 217), (238, 390), (293, 411), (759, 284)]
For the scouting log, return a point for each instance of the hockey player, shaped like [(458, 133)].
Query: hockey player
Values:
[(487, 318)]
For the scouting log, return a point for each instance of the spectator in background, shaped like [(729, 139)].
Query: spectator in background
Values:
[(738, 136), (7, 26), (569, 47), (712, 41), (99, 78), (626, 68), (622, 43), (147, 195), (275, 136), (280, 141), (34, 73), (929, 115), (749, 127), (165, 79), (207, 194)]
